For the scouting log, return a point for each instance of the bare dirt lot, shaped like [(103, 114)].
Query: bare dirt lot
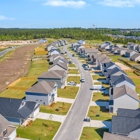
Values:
[(15, 66), (122, 66)]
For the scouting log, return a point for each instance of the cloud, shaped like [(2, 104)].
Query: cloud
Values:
[(120, 3), (5, 18), (67, 3)]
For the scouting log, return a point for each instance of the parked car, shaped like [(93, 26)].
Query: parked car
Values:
[(73, 55), (82, 80), (87, 119)]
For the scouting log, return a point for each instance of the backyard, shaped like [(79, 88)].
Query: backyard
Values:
[(39, 130)]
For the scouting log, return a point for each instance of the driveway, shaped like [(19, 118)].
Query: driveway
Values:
[(99, 103), (66, 100)]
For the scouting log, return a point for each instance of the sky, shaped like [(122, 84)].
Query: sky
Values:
[(69, 13)]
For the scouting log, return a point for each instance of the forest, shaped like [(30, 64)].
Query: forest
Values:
[(73, 33)]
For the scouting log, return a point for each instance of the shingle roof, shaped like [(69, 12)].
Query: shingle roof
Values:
[(16, 108), (124, 125), (129, 51), (129, 113), (113, 71), (124, 90), (105, 60), (42, 87), (109, 64), (55, 50), (89, 50), (135, 55), (53, 74), (109, 136)]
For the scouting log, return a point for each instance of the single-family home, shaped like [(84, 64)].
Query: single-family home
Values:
[(132, 46), (122, 51), (56, 56), (104, 44), (17, 111), (138, 49), (135, 57), (78, 49), (7, 130), (74, 45), (127, 124), (120, 80), (81, 42), (88, 51), (98, 58), (129, 53), (58, 76), (115, 50), (54, 51), (123, 97), (51, 46), (44, 93), (43, 40), (110, 136)]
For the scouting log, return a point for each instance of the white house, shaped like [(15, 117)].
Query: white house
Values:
[(54, 51), (135, 57)]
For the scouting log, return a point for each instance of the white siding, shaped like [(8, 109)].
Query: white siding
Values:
[(125, 102), (138, 58), (35, 113), (12, 135), (127, 84)]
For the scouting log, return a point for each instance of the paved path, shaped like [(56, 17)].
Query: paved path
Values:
[(73, 124), (74, 75), (99, 103), (72, 68), (48, 116), (77, 85), (66, 100)]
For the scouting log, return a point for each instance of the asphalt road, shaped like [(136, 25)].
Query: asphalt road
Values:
[(72, 126)]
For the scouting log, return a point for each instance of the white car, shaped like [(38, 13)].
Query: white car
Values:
[(82, 80)]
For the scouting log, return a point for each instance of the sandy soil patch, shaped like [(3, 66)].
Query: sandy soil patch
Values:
[(122, 66)]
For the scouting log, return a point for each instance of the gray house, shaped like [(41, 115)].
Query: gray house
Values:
[(88, 51), (54, 51), (135, 57), (56, 56), (123, 97), (129, 53), (17, 111), (7, 130), (43, 92), (122, 51), (58, 76)]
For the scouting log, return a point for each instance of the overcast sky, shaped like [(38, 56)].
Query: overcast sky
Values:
[(69, 13)]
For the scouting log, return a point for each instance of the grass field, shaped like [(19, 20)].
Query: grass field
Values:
[(114, 58), (68, 92), (10, 93), (74, 78), (39, 130), (38, 67), (72, 65), (90, 133), (131, 74), (73, 71), (63, 108), (26, 83), (99, 96), (101, 111), (98, 77)]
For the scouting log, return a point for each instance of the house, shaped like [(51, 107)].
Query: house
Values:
[(58, 65), (45, 93), (88, 51), (7, 130), (99, 58), (17, 111), (43, 40), (78, 49), (120, 80), (129, 53), (74, 45), (123, 97), (51, 46), (115, 50), (138, 49), (58, 76), (81, 42), (135, 57), (104, 44), (126, 126), (132, 46), (122, 51), (54, 51), (56, 56)]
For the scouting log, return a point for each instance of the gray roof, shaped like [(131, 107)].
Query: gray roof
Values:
[(42, 87), (125, 125), (120, 79), (53, 74), (135, 55), (100, 57), (55, 50), (16, 108), (57, 55), (124, 90), (109, 64), (105, 60), (130, 51), (129, 113), (109, 136), (90, 50), (113, 71)]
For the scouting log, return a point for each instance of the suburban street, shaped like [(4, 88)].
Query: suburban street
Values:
[(72, 126)]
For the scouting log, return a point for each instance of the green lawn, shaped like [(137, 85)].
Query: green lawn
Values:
[(63, 108), (130, 74), (74, 78), (136, 81), (10, 93), (25, 83), (97, 83), (90, 133), (114, 58), (101, 110), (39, 130), (73, 71), (99, 96), (72, 65), (38, 67), (98, 77), (68, 92)]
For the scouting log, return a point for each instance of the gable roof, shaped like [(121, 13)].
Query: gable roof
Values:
[(130, 51), (42, 87), (113, 71), (90, 50), (52, 50), (105, 60), (16, 108), (109, 136), (109, 64), (124, 90), (128, 113), (53, 74), (135, 55), (124, 125)]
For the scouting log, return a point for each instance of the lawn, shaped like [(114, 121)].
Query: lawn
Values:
[(25, 83), (99, 96), (68, 92), (101, 111), (90, 133), (114, 58), (72, 65), (61, 106), (11, 93), (136, 81), (74, 78), (130, 74), (38, 67), (73, 71), (39, 130), (98, 77)]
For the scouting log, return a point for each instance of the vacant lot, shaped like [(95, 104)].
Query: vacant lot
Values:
[(90, 133), (68, 92), (39, 130), (59, 108)]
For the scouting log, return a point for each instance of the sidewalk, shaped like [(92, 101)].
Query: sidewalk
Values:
[(53, 117), (77, 85), (66, 100), (74, 74), (72, 68)]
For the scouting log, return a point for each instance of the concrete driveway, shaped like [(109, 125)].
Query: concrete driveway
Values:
[(99, 103), (66, 100)]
